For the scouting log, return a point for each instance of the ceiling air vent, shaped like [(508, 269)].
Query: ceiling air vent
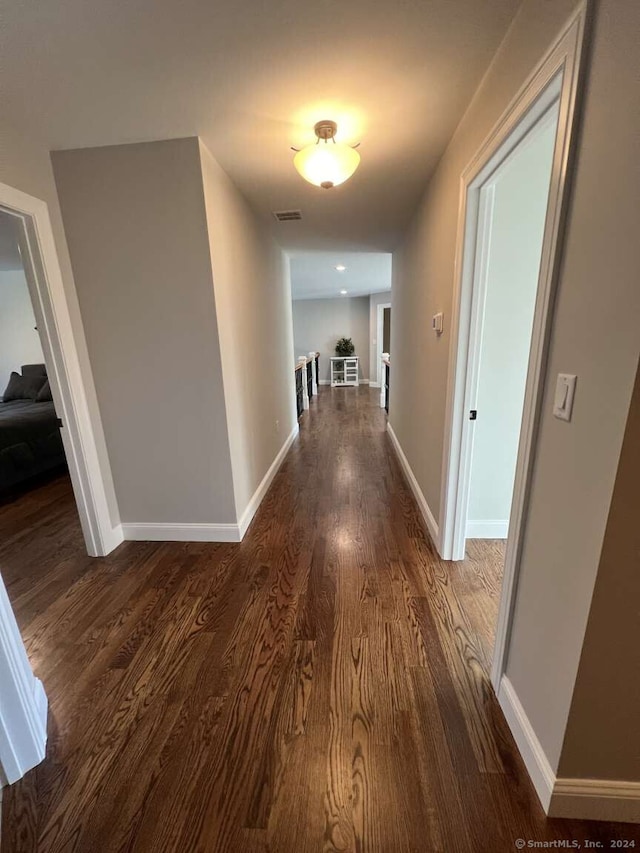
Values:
[(287, 215)]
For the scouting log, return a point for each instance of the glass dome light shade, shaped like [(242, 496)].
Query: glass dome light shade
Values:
[(327, 164)]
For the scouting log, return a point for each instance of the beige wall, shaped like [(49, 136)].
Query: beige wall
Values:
[(135, 221), (602, 733), (26, 165), (595, 335), (319, 323), (253, 303)]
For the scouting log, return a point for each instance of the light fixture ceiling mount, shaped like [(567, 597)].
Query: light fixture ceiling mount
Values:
[(326, 163), (325, 129)]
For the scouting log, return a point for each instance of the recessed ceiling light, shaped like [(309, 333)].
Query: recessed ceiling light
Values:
[(341, 268), (343, 292)]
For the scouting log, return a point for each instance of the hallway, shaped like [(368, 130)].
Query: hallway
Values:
[(321, 687)]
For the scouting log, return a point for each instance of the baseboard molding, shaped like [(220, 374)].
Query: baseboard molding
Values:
[(596, 799), (493, 529), (432, 525), (533, 755), (252, 507), (578, 799), (159, 532)]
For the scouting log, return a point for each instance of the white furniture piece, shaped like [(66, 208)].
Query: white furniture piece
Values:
[(344, 370)]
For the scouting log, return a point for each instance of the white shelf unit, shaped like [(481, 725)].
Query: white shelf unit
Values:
[(344, 370)]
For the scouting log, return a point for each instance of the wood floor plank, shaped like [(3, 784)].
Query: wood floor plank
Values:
[(321, 687)]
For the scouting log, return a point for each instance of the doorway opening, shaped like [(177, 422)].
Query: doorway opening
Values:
[(513, 201), (513, 205), (31, 448), (26, 221), (383, 336)]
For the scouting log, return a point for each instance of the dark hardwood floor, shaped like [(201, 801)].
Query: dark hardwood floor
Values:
[(320, 687)]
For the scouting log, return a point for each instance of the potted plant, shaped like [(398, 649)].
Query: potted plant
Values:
[(345, 347)]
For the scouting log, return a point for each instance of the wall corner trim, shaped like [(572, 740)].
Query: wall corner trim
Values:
[(252, 507), (530, 748), (432, 524), (596, 799)]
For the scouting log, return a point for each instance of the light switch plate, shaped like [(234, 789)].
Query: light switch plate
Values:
[(565, 392), (437, 323)]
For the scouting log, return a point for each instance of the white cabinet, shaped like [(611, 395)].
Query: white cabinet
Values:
[(344, 370)]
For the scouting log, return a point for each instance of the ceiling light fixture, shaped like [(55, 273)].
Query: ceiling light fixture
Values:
[(343, 292), (326, 163), (341, 268)]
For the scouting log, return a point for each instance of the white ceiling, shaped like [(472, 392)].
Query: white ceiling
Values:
[(251, 78), (314, 274)]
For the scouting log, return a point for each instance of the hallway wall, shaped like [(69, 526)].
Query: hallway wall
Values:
[(603, 721), (187, 307), (253, 309), (595, 335), (134, 216)]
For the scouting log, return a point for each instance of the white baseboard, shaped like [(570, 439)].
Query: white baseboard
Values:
[(203, 532), (324, 382), (160, 532), (579, 799), (493, 529), (374, 384), (533, 755), (596, 799), (432, 524), (260, 492)]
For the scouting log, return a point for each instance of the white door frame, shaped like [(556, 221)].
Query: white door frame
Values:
[(46, 288), (482, 197), (560, 67), (379, 336), (23, 709)]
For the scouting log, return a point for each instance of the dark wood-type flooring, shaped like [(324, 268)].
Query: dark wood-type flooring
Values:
[(320, 687)]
